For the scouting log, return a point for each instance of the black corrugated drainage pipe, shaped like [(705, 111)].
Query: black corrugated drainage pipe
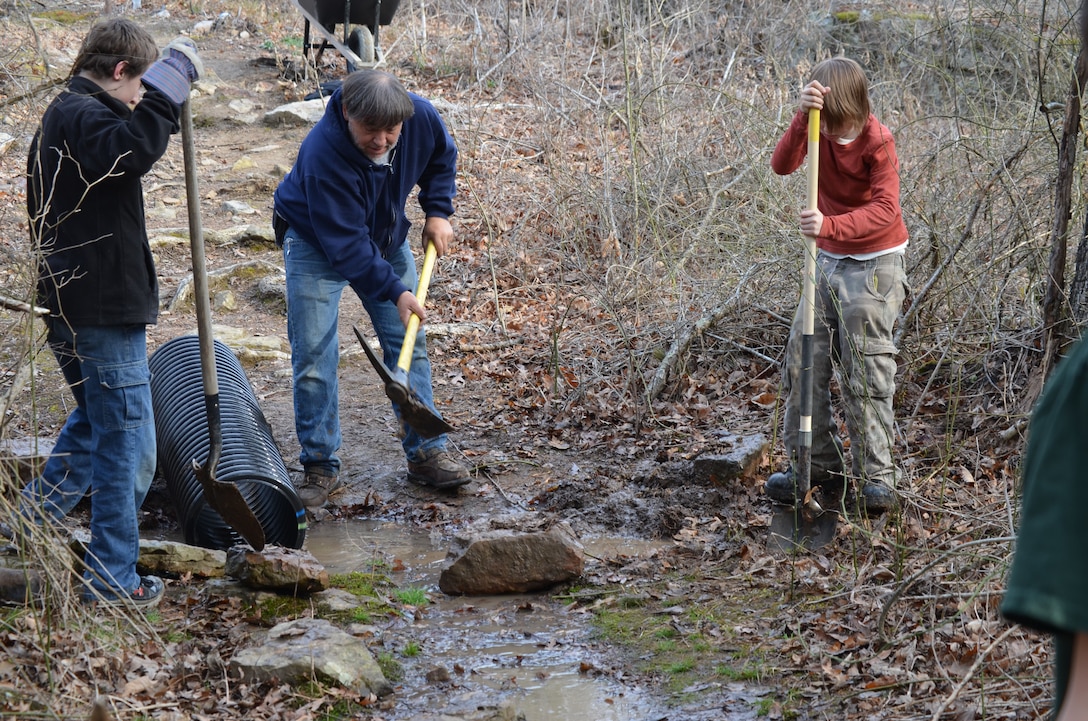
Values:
[(250, 458)]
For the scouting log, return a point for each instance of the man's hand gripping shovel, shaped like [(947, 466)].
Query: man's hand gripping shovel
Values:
[(413, 411), (224, 498)]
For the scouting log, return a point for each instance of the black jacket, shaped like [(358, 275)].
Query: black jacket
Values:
[(86, 205)]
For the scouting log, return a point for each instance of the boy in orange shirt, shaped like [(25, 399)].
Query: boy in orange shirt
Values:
[(860, 286)]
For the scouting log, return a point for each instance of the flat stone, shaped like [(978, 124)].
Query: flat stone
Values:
[(178, 559), (741, 461), (303, 112), (297, 651)]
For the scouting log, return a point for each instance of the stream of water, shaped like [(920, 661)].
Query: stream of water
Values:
[(526, 646)]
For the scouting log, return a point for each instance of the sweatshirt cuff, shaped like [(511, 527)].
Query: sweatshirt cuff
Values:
[(164, 77), (397, 290)]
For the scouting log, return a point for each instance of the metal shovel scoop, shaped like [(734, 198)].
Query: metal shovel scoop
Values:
[(413, 411), (224, 498)]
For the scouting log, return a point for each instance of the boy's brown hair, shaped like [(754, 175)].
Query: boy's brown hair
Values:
[(848, 102), (112, 41)]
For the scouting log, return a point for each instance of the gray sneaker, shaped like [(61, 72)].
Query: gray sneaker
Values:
[(316, 486), (438, 470), (147, 595)]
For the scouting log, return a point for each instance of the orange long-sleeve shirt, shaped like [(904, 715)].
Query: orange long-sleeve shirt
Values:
[(858, 188)]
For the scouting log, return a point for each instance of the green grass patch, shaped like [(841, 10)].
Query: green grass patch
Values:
[(175, 635), (787, 707), (680, 667), (377, 594), (390, 666), (275, 609), (341, 709), (411, 596), (683, 642), (744, 672), (9, 617), (361, 583), (360, 615)]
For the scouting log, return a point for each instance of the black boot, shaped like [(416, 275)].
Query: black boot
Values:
[(878, 498), (782, 488)]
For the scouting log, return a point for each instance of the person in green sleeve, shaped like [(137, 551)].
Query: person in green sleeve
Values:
[(1048, 580)]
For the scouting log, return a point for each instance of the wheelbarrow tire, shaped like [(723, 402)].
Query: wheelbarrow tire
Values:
[(361, 42)]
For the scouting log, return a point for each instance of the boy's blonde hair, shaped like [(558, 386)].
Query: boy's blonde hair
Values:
[(111, 41), (848, 102)]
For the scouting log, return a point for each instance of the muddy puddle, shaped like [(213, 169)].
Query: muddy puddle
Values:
[(529, 649)]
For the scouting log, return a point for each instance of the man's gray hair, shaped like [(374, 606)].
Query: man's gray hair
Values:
[(376, 99)]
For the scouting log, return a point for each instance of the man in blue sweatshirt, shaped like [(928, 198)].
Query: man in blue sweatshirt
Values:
[(341, 220)]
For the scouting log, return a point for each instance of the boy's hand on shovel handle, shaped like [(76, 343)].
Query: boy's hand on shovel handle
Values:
[(812, 221), (812, 96)]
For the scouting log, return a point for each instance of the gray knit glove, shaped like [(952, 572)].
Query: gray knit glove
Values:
[(178, 67)]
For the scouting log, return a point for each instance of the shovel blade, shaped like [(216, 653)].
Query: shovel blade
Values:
[(228, 502), (421, 418), (413, 411)]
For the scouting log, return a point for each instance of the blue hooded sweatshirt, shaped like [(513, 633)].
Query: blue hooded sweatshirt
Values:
[(338, 199)]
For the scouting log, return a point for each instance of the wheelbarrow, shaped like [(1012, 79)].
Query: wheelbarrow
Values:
[(360, 20)]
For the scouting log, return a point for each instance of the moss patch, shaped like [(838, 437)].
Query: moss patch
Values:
[(65, 17), (686, 642)]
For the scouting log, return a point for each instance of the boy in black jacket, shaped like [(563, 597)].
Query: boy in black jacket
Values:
[(97, 278)]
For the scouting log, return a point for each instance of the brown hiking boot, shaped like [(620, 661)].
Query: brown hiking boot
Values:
[(438, 470), (316, 486)]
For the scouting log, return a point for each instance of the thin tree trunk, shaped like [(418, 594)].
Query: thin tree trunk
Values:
[(1056, 324), (1078, 289)]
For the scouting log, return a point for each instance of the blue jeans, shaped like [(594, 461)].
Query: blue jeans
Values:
[(107, 447), (313, 309)]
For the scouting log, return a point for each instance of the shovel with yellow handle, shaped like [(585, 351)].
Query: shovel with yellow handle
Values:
[(808, 315), (413, 411)]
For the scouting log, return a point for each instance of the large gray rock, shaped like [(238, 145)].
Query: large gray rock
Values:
[(509, 560), (306, 649), (275, 568)]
